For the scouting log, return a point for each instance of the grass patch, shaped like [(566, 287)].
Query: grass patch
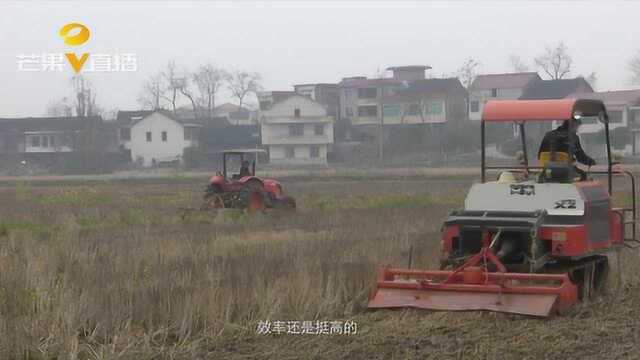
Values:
[(81, 197), (382, 201)]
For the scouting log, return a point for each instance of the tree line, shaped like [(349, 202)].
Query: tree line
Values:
[(200, 87)]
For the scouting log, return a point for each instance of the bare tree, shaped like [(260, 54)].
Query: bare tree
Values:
[(208, 79), (592, 79), (468, 71), (59, 108), (152, 92), (516, 63), (634, 67), (184, 85), (555, 62), (173, 83), (85, 97), (242, 83)]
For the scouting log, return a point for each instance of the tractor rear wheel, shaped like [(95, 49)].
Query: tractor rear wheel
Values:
[(252, 200), (591, 278), (252, 197)]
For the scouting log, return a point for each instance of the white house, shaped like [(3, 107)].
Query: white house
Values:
[(154, 137), (497, 86), (297, 131)]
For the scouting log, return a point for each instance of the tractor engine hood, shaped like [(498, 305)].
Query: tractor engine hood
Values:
[(556, 199)]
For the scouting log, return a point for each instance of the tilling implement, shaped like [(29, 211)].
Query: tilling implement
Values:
[(533, 242)]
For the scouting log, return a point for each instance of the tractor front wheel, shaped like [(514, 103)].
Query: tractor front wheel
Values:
[(212, 201), (288, 203)]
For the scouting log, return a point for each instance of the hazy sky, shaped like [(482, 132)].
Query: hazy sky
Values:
[(300, 42)]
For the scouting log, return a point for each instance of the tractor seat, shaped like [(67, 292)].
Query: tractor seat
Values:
[(553, 156)]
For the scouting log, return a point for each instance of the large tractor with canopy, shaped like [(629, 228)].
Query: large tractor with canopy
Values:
[(535, 240)]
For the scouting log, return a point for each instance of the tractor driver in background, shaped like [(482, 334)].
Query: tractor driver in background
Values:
[(244, 169), (558, 140)]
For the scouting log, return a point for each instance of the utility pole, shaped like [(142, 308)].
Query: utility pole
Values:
[(381, 128)]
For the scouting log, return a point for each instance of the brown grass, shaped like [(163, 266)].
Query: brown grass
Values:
[(112, 271)]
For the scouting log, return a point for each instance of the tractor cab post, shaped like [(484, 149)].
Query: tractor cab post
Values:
[(242, 155)]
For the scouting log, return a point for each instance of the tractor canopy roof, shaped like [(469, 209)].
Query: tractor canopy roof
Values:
[(543, 110)]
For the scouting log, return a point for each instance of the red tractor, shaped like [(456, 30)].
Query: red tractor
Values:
[(534, 241), (244, 190)]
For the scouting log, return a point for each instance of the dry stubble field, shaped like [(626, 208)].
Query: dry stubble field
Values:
[(111, 270)]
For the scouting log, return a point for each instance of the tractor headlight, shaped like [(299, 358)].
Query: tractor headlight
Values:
[(577, 115)]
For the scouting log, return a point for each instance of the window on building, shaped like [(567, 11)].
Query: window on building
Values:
[(191, 133), (290, 152), (52, 141), (368, 110), (615, 117), (265, 105), (494, 92), (367, 93), (391, 110), (125, 134), (296, 129), (348, 94), (296, 113), (435, 108), (318, 129), (164, 136), (414, 109), (475, 106), (348, 111), (314, 151), (35, 141), (45, 141), (148, 136)]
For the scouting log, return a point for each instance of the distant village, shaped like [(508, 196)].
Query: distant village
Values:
[(403, 118)]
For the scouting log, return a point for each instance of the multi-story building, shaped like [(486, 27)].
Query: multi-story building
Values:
[(49, 140), (327, 95), (497, 86), (556, 89), (361, 98), (426, 101), (623, 108), (296, 130)]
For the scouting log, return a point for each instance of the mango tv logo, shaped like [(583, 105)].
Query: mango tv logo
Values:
[(75, 34)]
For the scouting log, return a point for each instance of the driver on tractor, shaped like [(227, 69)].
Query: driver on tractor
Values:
[(558, 141), (244, 169)]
